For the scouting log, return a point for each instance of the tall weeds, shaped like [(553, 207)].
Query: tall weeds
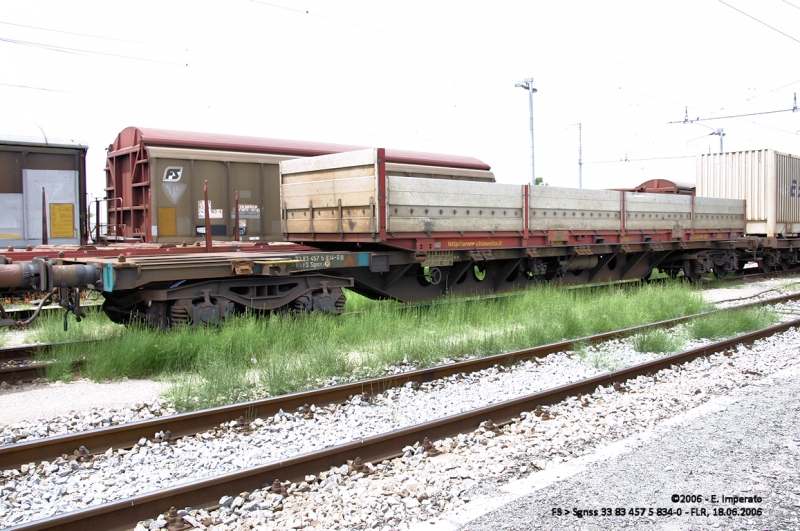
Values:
[(250, 357)]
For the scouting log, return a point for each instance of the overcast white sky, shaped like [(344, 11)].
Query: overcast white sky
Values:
[(420, 75)]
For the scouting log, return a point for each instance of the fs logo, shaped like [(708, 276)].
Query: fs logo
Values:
[(793, 190), (173, 173)]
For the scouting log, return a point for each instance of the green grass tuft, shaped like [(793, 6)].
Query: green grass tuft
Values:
[(731, 323), (659, 341), (252, 357)]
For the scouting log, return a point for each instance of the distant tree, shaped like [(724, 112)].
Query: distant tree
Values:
[(539, 181)]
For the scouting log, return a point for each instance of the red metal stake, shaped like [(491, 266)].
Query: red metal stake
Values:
[(236, 222), (149, 223), (208, 217)]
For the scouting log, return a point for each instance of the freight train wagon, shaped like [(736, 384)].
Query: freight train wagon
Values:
[(42, 193), (768, 182), (411, 239), (155, 179)]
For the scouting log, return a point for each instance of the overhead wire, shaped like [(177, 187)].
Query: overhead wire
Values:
[(78, 51), (759, 21), (733, 116), (34, 88), (773, 90), (791, 4), (626, 159), (68, 32)]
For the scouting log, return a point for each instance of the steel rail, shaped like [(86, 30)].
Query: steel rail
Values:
[(124, 514), (180, 425), (23, 373), (30, 351)]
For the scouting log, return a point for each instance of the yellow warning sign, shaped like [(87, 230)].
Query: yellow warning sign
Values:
[(167, 223), (62, 220)]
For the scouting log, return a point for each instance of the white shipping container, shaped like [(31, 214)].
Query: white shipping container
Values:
[(766, 179)]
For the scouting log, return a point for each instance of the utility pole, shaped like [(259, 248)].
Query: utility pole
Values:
[(580, 157), (719, 133), (527, 84)]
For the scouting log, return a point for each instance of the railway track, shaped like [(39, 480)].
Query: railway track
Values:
[(125, 513), (125, 436), (18, 364)]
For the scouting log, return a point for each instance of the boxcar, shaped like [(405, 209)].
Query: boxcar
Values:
[(42, 182), (766, 179)]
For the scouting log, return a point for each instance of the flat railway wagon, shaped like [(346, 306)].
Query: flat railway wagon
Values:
[(42, 192), (410, 239), (155, 183)]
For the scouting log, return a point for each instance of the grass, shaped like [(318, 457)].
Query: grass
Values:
[(597, 359), (252, 357), (715, 327), (659, 340), (49, 327), (731, 323)]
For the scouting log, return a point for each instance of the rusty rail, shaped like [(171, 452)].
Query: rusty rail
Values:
[(23, 373), (30, 351), (126, 435), (125, 513)]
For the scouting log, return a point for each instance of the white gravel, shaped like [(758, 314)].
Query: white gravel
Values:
[(746, 444), (450, 489), (411, 489), (747, 292), (350, 501)]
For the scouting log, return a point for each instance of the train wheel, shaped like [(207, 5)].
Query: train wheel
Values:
[(116, 315), (156, 316), (692, 270), (764, 266), (302, 303), (721, 272)]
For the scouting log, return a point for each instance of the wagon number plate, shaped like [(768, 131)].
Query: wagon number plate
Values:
[(438, 259)]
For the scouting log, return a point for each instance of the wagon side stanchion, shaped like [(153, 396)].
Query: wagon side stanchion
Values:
[(236, 237), (208, 216)]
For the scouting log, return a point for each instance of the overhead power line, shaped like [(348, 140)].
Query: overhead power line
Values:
[(33, 88), (791, 4), (760, 22), (68, 32), (773, 90), (686, 119), (626, 159), (78, 51)]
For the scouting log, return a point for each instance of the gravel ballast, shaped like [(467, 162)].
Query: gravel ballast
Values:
[(745, 444), (417, 487), (414, 488)]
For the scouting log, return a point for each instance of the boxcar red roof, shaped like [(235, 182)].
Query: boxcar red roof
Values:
[(132, 137)]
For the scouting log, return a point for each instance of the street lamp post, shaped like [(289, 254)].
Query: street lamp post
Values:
[(527, 84), (580, 156), (720, 134)]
